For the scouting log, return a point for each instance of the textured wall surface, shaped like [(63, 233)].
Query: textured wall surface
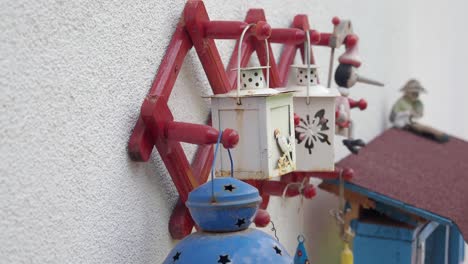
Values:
[(73, 75)]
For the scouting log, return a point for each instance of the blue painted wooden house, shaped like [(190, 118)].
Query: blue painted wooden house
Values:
[(408, 200)]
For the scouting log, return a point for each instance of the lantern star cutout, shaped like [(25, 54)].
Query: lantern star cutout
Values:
[(223, 259), (277, 250), (240, 222), (176, 256), (229, 187)]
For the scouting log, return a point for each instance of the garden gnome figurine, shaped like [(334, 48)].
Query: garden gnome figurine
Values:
[(408, 108)]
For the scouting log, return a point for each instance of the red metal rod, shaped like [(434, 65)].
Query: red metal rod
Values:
[(287, 35), (233, 29), (324, 39), (350, 40), (199, 134)]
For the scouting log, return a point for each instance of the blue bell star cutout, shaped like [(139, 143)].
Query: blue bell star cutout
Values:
[(301, 254)]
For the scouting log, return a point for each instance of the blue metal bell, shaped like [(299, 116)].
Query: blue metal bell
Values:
[(223, 209)]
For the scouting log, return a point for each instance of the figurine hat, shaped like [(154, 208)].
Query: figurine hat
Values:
[(413, 86)]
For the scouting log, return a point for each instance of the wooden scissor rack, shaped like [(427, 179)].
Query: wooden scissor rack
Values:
[(156, 125)]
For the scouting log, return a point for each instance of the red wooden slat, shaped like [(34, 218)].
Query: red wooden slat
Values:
[(156, 114), (195, 18), (156, 125), (141, 143)]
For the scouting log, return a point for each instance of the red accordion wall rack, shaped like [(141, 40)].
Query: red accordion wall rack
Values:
[(156, 125)]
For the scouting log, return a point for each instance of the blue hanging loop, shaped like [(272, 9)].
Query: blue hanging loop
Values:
[(232, 163), (214, 163)]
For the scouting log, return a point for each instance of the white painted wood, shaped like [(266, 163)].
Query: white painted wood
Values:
[(315, 105), (415, 256), (312, 154), (428, 229), (257, 153)]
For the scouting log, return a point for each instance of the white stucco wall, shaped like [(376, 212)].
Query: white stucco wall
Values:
[(73, 75)]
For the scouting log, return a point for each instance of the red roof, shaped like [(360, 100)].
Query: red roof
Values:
[(416, 171)]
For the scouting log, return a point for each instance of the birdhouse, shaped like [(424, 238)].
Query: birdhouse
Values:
[(264, 119), (315, 106)]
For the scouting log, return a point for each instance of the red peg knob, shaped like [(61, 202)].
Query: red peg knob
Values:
[(262, 30), (230, 138), (351, 40), (314, 36), (348, 174), (309, 192), (362, 104), (297, 119), (336, 21), (262, 219)]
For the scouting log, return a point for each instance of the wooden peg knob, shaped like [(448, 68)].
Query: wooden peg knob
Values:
[(348, 174), (230, 138), (314, 36), (351, 40), (336, 21), (297, 119), (309, 191), (262, 218), (362, 104), (262, 30)]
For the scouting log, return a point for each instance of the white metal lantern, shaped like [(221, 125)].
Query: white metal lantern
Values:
[(315, 106), (264, 119)]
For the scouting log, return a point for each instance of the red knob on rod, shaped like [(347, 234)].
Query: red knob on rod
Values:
[(199, 134)]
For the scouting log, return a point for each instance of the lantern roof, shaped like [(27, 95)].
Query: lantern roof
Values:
[(223, 192), (314, 91), (264, 92), (223, 205), (305, 66)]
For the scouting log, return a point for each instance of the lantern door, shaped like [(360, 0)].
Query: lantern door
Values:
[(258, 154)]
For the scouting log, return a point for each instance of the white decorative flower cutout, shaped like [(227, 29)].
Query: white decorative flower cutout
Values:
[(311, 131)]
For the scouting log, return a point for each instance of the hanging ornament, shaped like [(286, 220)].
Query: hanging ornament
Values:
[(347, 255), (314, 104), (301, 254), (223, 209), (346, 234), (264, 119)]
